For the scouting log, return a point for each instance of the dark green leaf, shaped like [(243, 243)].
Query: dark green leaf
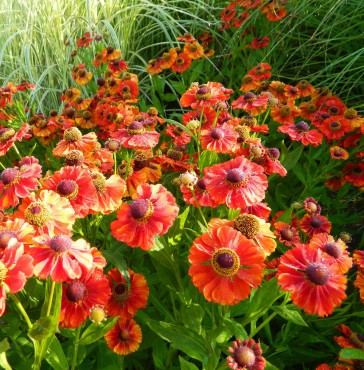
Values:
[(43, 328), (55, 356), (292, 158), (185, 365), (290, 315), (179, 87), (95, 332)]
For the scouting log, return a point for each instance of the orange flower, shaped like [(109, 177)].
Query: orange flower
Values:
[(110, 54), (182, 63), (315, 224), (225, 265), (118, 66), (248, 83), (305, 88), (286, 234), (127, 297), (82, 77), (285, 113), (194, 50), (251, 103), (152, 213), (335, 127), (70, 95), (154, 66), (354, 173), (47, 212), (338, 153), (8, 136), (124, 338)]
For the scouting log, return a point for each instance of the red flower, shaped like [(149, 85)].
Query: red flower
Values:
[(60, 257), (85, 40), (286, 234), (75, 184), (152, 213), (238, 183), (246, 355), (260, 72), (301, 132), (18, 182), (124, 338), (15, 268), (338, 153), (315, 224), (315, 282), (354, 173), (80, 295), (225, 265), (206, 95), (251, 103), (180, 136), (182, 63), (260, 42), (336, 249), (8, 136), (47, 212), (126, 298), (220, 139), (335, 127), (200, 192)]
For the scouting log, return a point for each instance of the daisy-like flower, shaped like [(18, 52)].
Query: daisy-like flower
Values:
[(82, 77), (315, 282), (194, 50), (60, 257), (124, 338), (75, 184), (301, 132), (167, 59), (338, 153), (335, 127), (15, 268), (225, 265), (260, 42), (248, 83), (47, 212), (182, 63), (80, 295), (286, 234), (206, 95), (315, 224), (335, 249), (199, 192), (16, 228), (17, 182), (136, 136), (354, 173), (253, 104), (246, 355), (311, 206), (285, 113), (74, 140), (154, 66), (220, 139), (110, 54), (109, 193), (261, 72), (152, 213), (8, 136), (359, 283), (126, 299), (238, 183)]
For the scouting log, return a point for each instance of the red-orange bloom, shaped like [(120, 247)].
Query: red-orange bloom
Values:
[(182, 63), (118, 66), (220, 139), (338, 153), (301, 132), (315, 224), (126, 297), (315, 282), (47, 212), (124, 338), (75, 184), (80, 295), (110, 54), (249, 83), (276, 12), (335, 127), (335, 249), (359, 283), (238, 183), (167, 59), (260, 42), (200, 193), (8, 136), (19, 181), (85, 40), (60, 257), (225, 265), (285, 113), (154, 66), (251, 103), (286, 234), (194, 50), (261, 72), (15, 268), (354, 173), (246, 355), (152, 213), (16, 228)]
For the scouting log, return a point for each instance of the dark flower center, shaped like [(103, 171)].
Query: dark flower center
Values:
[(141, 209), (60, 243), (334, 126), (68, 189), (316, 222), (333, 110), (217, 133), (136, 127), (245, 357), (175, 154), (286, 234), (302, 126), (8, 175), (274, 153), (201, 184), (250, 97), (225, 262), (285, 111), (338, 153), (74, 158), (5, 236), (333, 249), (6, 134), (121, 292), (318, 273), (203, 93), (235, 176), (76, 291), (124, 334)]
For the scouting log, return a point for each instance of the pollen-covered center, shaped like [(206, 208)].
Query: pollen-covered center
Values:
[(60, 243), (5, 236), (286, 234), (335, 126), (68, 189), (217, 133), (248, 225), (203, 93), (9, 175), (124, 334), (250, 97), (318, 273), (244, 357), (136, 128), (225, 262), (333, 249), (36, 214), (72, 134), (175, 154), (120, 292), (302, 126), (236, 177), (74, 158), (6, 134), (99, 181), (3, 272), (76, 291), (141, 209), (97, 314)]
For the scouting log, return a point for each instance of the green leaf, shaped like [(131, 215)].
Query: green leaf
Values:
[(292, 158), (180, 338), (55, 356), (185, 365), (179, 87), (174, 234), (290, 315), (192, 316), (352, 354), (169, 97), (227, 329), (95, 332), (269, 366), (43, 328), (4, 345), (117, 259)]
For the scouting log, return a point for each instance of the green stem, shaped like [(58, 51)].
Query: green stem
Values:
[(263, 324), (21, 309), (75, 351), (51, 298), (199, 207), (17, 151), (115, 164), (169, 357)]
